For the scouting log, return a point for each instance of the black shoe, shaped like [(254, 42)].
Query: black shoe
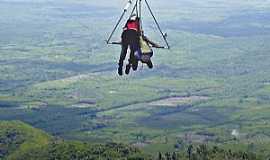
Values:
[(127, 68), (120, 70), (135, 65), (150, 64)]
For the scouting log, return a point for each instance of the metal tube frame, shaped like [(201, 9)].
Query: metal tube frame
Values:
[(159, 28), (139, 13), (120, 19)]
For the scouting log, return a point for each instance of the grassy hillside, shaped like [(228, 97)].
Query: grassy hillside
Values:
[(19, 141)]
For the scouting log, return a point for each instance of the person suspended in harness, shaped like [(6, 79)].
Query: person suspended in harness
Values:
[(145, 51), (130, 38)]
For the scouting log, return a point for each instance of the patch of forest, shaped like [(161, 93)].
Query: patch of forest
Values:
[(20, 141)]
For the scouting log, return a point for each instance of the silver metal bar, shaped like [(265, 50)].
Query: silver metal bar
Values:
[(159, 28), (120, 19), (128, 5)]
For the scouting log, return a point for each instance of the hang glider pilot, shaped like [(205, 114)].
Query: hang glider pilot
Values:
[(129, 38), (133, 38)]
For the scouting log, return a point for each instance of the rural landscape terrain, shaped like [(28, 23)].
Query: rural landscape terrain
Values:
[(61, 96)]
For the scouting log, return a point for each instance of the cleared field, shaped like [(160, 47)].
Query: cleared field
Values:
[(178, 101)]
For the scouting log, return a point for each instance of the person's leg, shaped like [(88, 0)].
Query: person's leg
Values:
[(128, 66), (128, 37), (150, 64), (122, 58), (135, 64), (132, 59), (123, 54), (124, 39), (134, 47)]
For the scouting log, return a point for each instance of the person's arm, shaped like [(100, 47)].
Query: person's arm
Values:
[(153, 44)]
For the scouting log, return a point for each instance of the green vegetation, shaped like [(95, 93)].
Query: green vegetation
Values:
[(56, 74), (20, 141), (17, 139)]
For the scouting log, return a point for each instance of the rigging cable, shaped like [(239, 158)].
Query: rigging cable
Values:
[(159, 28), (120, 19)]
